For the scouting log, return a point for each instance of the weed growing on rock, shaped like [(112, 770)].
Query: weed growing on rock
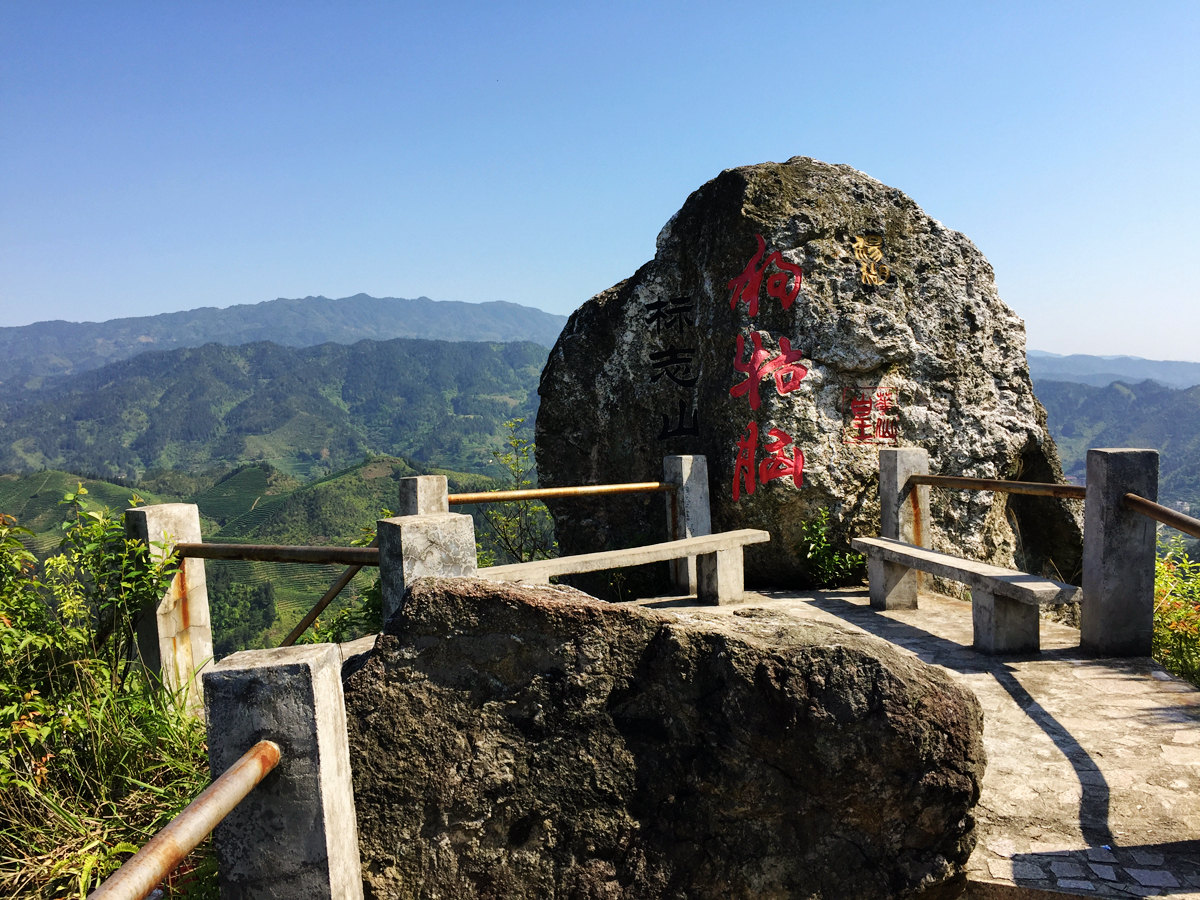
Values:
[(828, 566)]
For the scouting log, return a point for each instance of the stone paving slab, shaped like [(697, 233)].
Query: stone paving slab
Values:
[(1092, 786)]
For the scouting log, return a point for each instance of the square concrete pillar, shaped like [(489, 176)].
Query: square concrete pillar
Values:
[(904, 510), (424, 495), (688, 513), (1003, 625), (903, 516), (891, 585), (412, 547), (295, 835), (175, 637), (1117, 610), (720, 577)]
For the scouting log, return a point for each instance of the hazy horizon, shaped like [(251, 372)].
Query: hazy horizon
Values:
[(158, 157)]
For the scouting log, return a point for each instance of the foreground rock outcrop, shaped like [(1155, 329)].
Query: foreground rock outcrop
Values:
[(796, 317), (533, 742)]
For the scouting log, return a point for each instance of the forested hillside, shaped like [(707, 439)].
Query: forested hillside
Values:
[(28, 352), (308, 411), (253, 603), (1129, 415)]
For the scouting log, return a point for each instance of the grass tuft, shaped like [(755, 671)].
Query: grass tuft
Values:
[(95, 756)]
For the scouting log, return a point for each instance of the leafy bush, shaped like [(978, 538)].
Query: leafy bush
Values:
[(95, 756), (828, 566), (1177, 610)]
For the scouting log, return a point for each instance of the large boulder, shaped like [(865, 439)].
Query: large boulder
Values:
[(534, 742), (795, 318)]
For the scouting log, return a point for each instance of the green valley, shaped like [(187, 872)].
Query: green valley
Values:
[(273, 444), (252, 504)]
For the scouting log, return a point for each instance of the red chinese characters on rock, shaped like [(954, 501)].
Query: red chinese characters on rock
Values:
[(783, 285), (755, 465), (784, 367), (776, 462), (872, 417)]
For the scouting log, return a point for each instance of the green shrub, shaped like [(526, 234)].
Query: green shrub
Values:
[(827, 566), (95, 756), (1177, 610)]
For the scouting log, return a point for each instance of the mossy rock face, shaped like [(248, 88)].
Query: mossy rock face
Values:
[(533, 742), (894, 334)]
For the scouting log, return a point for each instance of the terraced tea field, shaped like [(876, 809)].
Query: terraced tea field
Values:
[(35, 500)]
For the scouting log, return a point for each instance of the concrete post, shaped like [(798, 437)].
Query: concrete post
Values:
[(1117, 612), (687, 513), (175, 637), (424, 495), (891, 585), (412, 547), (295, 835), (1004, 625), (720, 577), (903, 516), (903, 511)]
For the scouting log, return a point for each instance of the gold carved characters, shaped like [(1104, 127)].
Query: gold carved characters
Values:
[(868, 250)]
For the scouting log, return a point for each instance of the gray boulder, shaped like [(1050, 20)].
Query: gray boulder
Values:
[(795, 318), (533, 742)]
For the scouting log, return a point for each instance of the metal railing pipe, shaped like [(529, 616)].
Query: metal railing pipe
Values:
[(587, 490), (1160, 513), (149, 866), (1034, 488), (311, 616), (353, 556)]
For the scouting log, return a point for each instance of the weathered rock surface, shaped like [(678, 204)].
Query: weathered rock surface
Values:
[(667, 362), (511, 741)]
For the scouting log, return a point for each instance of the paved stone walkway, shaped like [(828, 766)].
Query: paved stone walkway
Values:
[(1093, 778)]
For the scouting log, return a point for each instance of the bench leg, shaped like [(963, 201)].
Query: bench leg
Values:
[(1003, 625), (892, 586), (719, 577)]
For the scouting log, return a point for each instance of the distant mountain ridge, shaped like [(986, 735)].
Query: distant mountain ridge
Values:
[(308, 410), (61, 348), (1101, 371)]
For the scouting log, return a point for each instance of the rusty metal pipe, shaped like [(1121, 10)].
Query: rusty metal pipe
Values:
[(1034, 488), (355, 556), (146, 869), (1160, 513), (334, 589), (587, 490)]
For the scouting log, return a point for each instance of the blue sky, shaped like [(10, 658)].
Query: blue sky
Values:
[(156, 157)]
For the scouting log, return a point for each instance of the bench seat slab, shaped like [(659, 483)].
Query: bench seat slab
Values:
[(1008, 583)]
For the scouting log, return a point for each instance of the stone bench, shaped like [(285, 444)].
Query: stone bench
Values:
[(719, 572), (1004, 602)]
